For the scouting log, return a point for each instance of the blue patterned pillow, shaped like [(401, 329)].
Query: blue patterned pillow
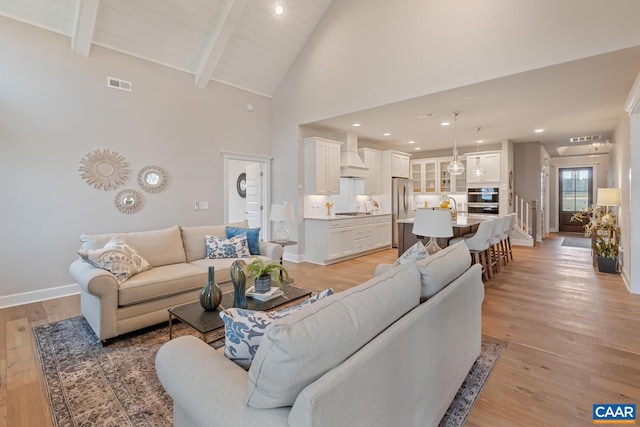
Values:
[(235, 247), (243, 329), (414, 253), (253, 236)]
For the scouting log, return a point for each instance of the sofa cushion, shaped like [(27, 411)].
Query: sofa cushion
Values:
[(235, 247), (244, 329), (193, 238), (158, 247), (253, 236), (442, 268), (116, 257), (297, 350), (161, 282), (414, 253)]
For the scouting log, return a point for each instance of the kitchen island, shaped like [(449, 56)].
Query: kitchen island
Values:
[(463, 224)]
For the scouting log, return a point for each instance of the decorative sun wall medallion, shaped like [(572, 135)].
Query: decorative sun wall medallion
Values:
[(153, 179), (129, 201), (104, 169)]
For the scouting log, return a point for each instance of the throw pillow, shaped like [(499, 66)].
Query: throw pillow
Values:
[(253, 237), (116, 257), (235, 247), (414, 253), (443, 267), (243, 329)]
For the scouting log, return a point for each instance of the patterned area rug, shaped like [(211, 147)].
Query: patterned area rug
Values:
[(88, 384), (577, 242)]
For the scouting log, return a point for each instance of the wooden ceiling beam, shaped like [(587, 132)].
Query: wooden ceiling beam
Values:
[(83, 26), (222, 31)]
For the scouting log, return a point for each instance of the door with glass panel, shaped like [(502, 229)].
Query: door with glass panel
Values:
[(576, 194)]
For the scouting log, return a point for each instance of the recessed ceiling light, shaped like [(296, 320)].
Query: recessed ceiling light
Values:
[(417, 148), (387, 134), (279, 10), (426, 116), (480, 141), (355, 125), (412, 142), (539, 130), (445, 123)]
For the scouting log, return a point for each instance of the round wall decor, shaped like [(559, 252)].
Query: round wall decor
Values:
[(129, 201), (241, 185), (104, 169), (153, 179)]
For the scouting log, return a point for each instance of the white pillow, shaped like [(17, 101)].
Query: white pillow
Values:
[(414, 253), (442, 268), (116, 257), (243, 329), (233, 247)]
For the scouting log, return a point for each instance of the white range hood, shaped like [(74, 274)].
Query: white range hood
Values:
[(351, 165)]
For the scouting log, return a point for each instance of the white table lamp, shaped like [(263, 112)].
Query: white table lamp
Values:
[(608, 197), (433, 223), (282, 213)]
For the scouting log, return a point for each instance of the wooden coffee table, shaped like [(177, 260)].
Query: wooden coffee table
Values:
[(208, 322)]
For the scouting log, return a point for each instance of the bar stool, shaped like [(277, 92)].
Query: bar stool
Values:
[(494, 250), (504, 250), (478, 245), (512, 225)]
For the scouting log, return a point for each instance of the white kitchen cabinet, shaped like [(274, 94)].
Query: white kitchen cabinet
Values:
[(490, 162), (373, 181), (335, 240), (424, 176), (382, 231), (322, 166), (399, 164)]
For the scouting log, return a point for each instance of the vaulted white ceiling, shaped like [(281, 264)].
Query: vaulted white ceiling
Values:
[(242, 43)]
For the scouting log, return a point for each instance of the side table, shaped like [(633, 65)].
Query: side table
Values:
[(284, 244)]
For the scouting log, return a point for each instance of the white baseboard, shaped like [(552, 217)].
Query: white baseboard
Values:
[(40, 295), (521, 242), (293, 257)]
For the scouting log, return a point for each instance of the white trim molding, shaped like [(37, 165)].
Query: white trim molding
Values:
[(632, 105), (39, 295)]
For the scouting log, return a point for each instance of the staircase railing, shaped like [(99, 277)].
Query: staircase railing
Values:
[(527, 215)]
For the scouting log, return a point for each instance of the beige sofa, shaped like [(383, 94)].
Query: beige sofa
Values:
[(373, 355), (179, 272)]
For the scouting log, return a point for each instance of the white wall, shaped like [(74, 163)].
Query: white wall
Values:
[(619, 177), (55, 107), (367, 53)]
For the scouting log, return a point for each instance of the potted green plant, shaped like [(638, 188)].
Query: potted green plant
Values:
[(262, 273), (602, 227)]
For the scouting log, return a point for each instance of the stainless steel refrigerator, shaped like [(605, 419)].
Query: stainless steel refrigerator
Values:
[(401, 191)]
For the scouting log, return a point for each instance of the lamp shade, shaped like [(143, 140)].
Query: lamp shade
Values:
[(282, 212), (608, 197), (433, 223)]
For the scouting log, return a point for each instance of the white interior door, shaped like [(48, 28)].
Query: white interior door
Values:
[(254, 195)]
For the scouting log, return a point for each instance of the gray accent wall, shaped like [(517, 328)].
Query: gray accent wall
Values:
[(55, 107)]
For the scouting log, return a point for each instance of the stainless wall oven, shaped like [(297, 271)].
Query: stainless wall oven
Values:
[(483, 200)]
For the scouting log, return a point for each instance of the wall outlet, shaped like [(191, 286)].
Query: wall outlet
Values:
[(203, 205)]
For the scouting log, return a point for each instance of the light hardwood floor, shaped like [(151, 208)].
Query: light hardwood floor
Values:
[(572, 336)]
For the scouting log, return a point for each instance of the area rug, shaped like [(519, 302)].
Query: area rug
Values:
[(577, 242), (88, 384)]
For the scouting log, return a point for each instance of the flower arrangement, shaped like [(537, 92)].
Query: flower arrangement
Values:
[(328, 205), (602, 224)]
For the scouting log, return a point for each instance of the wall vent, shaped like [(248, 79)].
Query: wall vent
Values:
[(585, 138), (119, 84)]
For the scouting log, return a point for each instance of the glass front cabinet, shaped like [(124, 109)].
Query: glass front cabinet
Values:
[(430, 176)]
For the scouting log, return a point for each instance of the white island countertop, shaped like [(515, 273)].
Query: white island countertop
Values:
[(463, 220), (333, 217)]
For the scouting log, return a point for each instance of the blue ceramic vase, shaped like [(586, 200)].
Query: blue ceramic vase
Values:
[(239, 279), (211, 295)]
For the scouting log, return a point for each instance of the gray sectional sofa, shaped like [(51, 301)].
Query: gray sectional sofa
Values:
[(179, 271), (392, 351)]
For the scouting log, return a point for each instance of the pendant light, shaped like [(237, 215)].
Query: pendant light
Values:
[(455, 167), (478, 173)]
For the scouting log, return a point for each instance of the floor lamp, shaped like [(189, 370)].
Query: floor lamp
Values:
[(433, 223)]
